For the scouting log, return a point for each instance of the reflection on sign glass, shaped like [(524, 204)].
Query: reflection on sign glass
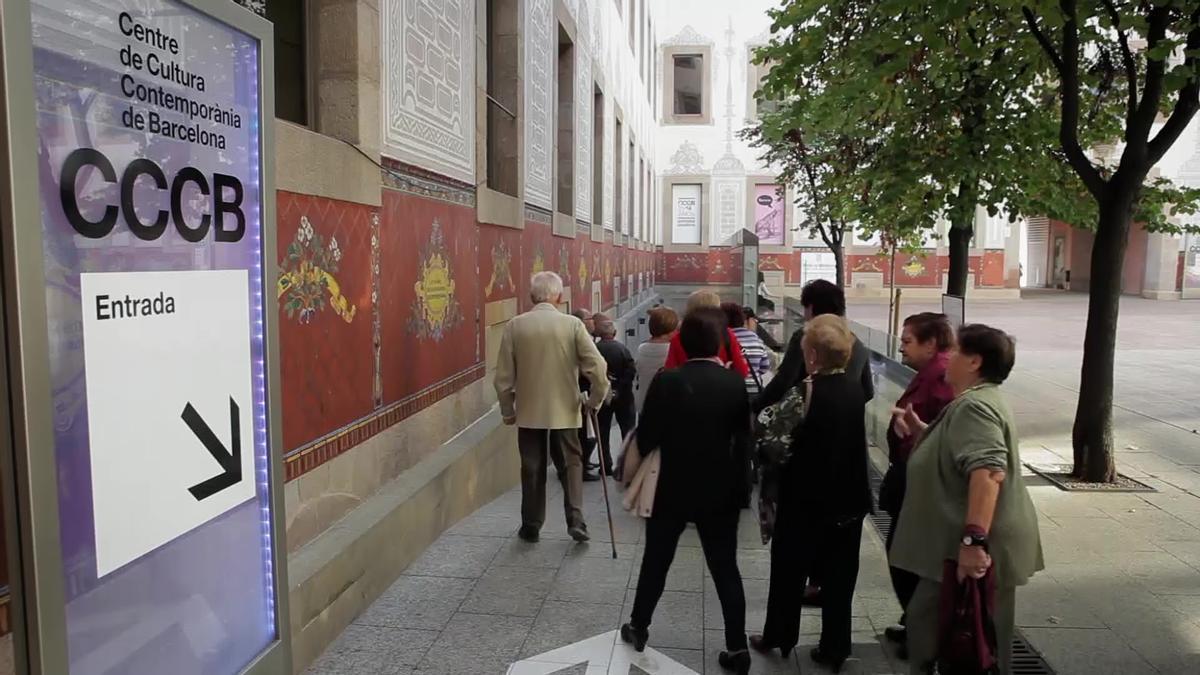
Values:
[(149, 182)]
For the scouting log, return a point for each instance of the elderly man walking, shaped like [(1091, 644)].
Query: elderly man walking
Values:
[(543, 353)]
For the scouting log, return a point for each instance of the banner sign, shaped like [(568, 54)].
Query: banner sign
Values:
[(686, 217), (769, 215), (149, 172)]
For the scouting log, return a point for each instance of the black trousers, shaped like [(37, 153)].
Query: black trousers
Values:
[(804, 544), (718, 537), (622, 409), (904, 583)]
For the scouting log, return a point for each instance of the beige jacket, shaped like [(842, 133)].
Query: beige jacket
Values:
[(542, 355), (641, 478)]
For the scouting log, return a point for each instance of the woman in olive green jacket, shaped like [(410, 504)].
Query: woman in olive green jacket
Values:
[(966, 499)]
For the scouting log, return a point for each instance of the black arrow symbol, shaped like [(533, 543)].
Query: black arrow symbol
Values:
[(231, 462)]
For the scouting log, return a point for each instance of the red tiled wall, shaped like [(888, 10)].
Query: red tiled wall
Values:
[(418, 352), (326, 361)]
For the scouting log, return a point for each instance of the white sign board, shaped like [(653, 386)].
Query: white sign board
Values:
[(169, 406), (685, 221)]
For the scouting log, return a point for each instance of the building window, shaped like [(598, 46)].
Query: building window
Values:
[(757, 72), (632, 177), (641, 179), (632, 21), (618, 175), (689, 84), (566, 123), (686, 213), (597, 156), (503, 137), (291, 59)]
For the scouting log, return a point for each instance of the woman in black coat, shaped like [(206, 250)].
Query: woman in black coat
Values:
[(824, 496)]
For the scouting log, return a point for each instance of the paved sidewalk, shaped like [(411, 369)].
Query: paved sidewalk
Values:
[(480, 600)]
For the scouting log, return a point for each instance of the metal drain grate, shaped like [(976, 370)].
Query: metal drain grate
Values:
[(1026, 659)]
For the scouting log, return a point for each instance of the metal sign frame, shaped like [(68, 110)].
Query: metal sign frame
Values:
[(28, 464)]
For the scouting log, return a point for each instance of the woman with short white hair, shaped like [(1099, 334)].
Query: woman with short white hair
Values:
[(824, 494)]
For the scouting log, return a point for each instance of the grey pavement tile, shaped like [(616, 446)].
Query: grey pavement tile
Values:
[(511, 591), (548, 553), (476, 644), (1161, 573), (592, 580), (418, 603), (559, 624), (882, 612), (686, 573), (1045, 603), (481, 524), (753, 563), (1075, 650), (375, 650), (678, 620), (688, 658), (456, 556), (602, 550), (756, 605)]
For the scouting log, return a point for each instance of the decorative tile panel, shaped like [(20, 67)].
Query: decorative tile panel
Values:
[(610, 122), (429, 84), (584, 137), (731, 207), (539, 112)]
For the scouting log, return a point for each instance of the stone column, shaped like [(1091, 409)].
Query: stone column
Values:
[(1012, 254), (346, 71), (1162, 266)]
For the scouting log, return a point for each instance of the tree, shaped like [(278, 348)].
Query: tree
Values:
[(1154, 84), (951, 84), (847, 174)]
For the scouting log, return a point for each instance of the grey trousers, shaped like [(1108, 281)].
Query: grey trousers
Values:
[(923, 626), (563, 448)]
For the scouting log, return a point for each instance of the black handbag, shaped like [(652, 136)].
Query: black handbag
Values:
[(891, 490)]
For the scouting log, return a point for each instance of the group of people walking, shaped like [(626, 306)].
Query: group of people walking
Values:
[(691, 394)]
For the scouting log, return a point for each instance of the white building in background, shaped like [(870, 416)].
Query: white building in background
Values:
[(712, 184)]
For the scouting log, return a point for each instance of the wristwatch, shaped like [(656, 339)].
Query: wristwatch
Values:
[(974, 540), (974, 536)]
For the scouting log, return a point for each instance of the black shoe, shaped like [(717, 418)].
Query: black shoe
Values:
[(590, 477), (579, 533), (822, 659), (528, 533), (635, 636), (738, 662), (762, 645), (896, 634)]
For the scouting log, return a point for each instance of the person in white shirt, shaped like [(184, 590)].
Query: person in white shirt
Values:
[(652, 355)]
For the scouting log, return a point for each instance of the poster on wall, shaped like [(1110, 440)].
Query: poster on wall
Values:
[(685, 214), (769, 215), (151, 195)]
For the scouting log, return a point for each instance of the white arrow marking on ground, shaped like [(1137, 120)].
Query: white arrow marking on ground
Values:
[(604, 654)]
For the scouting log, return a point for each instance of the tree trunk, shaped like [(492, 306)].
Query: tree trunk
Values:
[(839, 264), (1092, 436), (960, 259), (962, 227)]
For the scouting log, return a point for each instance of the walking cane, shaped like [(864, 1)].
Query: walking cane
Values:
[(612, 533)]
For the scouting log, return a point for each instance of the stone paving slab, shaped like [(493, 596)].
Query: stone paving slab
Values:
[(480, 599)]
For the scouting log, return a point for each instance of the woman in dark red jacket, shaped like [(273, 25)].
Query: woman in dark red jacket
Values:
[(925, 345), (731, 352)]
